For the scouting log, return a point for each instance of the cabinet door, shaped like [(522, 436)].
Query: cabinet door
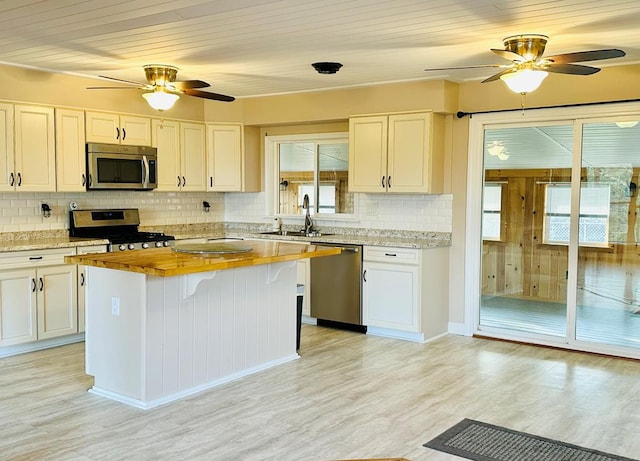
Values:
[(102, 127), (368, 154), (390, 295), (194, 157), (135, 131), (409, 153), (224, 151), (7, 170), (166, 138), (57, 301), (35, 149), (82, 281), (70, 151), (17, 307)]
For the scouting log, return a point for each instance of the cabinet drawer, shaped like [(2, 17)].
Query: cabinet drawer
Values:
[(34, 258), (392, 255)]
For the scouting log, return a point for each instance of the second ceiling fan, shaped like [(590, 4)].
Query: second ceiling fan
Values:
[(529, 67)]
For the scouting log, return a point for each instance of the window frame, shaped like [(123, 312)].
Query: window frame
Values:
[(272, 179), (502, 185), (546, 214)]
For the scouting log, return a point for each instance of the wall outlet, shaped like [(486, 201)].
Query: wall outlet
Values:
[(115, 306)]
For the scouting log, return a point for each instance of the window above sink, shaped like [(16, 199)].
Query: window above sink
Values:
[(312, 164)]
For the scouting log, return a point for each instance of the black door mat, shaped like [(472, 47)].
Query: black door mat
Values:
[(485, 442)]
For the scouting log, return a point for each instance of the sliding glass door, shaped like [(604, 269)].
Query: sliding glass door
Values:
[(525, 229), (560, 259), (608, 272)]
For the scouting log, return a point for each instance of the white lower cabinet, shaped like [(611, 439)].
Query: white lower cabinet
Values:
[(82, 280), (38, 296), (404, 292)]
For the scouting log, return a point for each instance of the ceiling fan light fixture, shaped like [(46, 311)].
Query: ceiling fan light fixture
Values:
[(160, 100), (629, 124), (525, 80)]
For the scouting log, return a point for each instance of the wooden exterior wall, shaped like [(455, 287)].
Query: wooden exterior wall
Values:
[(522, 265)]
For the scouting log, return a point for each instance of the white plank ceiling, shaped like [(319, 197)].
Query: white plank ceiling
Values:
[(256, 47)]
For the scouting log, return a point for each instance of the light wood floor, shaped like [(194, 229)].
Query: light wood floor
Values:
[(350, 396)]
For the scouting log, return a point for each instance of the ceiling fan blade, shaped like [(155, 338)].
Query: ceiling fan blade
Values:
[(112, 88), (593, 55), (188, 84), (510, 55), (465, 67), (208, 95), (573, 69), (123, 81), (497, 76)]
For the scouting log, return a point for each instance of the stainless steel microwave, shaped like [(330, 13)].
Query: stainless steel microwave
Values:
[(113, 166)]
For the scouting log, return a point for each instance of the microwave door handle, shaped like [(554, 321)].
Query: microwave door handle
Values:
[(145, 166)]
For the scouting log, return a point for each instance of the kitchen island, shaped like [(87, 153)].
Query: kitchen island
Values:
[(162, 325)]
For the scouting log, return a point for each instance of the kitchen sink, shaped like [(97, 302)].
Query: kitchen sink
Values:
[(299, 233)]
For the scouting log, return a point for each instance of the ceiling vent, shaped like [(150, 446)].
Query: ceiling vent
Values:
[(327, 67)]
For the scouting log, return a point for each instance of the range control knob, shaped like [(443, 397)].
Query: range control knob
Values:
[(158, 244), (121, 247), (165, 243), (131, 246), (145, 245)]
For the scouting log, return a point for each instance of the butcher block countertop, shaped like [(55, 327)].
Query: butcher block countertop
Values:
[(166, 262)]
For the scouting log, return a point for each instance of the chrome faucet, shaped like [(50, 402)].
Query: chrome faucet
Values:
[(308, 224)]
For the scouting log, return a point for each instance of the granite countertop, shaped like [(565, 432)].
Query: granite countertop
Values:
[(41, 240), (165, 262), (20, 241)]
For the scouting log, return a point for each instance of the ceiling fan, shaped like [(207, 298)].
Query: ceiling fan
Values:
[(528, 67), (162, 89)]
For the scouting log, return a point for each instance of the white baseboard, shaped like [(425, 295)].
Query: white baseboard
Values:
[(8, 351), (456, 328)]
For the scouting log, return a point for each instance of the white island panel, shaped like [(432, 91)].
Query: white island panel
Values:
[(175, 336)]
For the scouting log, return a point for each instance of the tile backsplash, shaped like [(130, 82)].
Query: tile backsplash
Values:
[(21, 211)]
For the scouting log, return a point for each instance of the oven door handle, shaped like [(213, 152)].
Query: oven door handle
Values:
[(145, 171)]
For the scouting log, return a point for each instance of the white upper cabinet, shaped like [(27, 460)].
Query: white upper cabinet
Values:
[(233, 158), (70, 151), (224, 149), (181, 155), (7, 170), (397, 153), (194, 157), (112, 128), (35, 160), (165, 136)]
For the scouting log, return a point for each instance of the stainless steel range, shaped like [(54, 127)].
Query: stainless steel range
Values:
[(119, 226)]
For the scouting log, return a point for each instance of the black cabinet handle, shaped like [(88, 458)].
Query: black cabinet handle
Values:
[(33, 288), (12, 179), (184, 181), (19, 179), (90, 180), (117, 133), (382, 182), (390, 254), (41, 284), (124, 134), (84, 180), (81, 279), (35, 258), (178, 181), (210, 181), (364, 275), (389, 182)]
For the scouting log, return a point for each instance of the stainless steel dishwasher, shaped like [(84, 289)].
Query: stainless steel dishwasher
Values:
[(336, 288)]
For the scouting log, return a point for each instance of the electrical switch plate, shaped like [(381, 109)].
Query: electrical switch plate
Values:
[(115, 306)]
